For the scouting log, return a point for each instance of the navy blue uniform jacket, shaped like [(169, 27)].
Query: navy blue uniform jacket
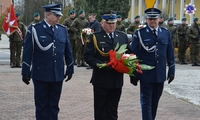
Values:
[(43, 63), (160, 56)]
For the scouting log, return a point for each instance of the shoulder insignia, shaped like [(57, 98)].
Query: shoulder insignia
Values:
[(163, 28), (60, 25)]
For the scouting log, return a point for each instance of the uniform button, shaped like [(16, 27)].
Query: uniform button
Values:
[(38, 67), (157, 49), (158, 55), (156, 42), (54, 46), (54, 41), (54, 60), (55, 54), (157, 61)]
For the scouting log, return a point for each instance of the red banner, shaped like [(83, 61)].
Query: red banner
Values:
[(10, 24)]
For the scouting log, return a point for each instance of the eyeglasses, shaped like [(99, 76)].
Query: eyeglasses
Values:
[(58, 16), (152, 18)]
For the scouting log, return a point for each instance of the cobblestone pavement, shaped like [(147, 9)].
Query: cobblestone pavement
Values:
[(76, 103)]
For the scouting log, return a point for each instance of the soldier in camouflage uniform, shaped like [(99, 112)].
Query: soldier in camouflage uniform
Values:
[(120, 25), (77, 25), (16, 40), (161, 21), (134, 26), (36, 16), (170, 26), (72, 36), (194, 36), (183, 41)]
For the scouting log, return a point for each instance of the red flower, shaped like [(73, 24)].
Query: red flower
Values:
[(124, 63)]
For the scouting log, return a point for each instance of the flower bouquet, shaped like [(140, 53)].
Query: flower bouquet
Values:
[(124, 63), (85, 33)]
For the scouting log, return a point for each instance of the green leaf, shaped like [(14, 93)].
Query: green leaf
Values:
[(117, 46), (146, 67), (118, 56), (122, 49)]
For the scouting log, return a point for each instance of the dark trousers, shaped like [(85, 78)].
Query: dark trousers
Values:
[(150, 94), (106, 103), (47, 96)]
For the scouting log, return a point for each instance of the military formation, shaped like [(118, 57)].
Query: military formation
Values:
[(184, 36)]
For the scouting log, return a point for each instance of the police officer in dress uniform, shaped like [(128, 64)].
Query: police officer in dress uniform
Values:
[(153, 45), (46, 50), (107, 83)]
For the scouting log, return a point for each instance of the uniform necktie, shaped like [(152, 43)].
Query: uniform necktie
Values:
[(154, 32), (111, 37), (52, 29)]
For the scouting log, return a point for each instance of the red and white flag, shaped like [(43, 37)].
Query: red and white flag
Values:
[(10, 24)]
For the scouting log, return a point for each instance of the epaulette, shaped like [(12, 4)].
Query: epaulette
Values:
[(61, 25), (118, 31), (35, 24), (164, 28), (97, 32)]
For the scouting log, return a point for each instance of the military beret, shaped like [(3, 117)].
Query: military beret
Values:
[(36, 14), (195, 19), (110, 16), (55, 8), (71, 12), (17, 14), (152, 13), (170, 19), (137, 16), (184, 19), (119, 16), (80, 12), (161, 16)]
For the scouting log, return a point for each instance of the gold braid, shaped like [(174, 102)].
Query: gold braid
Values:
[(96, 46)]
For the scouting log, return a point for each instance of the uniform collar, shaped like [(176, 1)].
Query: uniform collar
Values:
[(47, 23)]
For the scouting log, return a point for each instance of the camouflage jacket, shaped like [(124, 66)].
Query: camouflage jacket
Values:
[(68, 22), (78, 24), (182, 31), (120, 26), (16, 36), (172, 30), (132, 28), (193, 34)]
